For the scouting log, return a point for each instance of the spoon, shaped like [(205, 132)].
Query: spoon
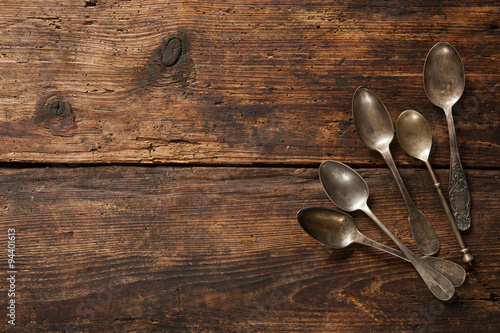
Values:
[(444, 82), (375, 129), (338, 230), (348, 190), (415, 137)]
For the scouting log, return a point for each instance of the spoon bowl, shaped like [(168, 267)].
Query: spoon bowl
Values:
[(444, 75), (414, 134), (371, 119), (350, 191), (329, 227)]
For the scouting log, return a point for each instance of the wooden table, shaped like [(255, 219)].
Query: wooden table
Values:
[(155, 154)]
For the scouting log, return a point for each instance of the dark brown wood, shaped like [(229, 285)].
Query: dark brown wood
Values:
[(219, 249), (267, 82), (237, 103)]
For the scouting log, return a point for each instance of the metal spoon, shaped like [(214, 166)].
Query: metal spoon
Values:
[(347, 189), (338, 230), (444, 82), (375, 129), (415, 137)]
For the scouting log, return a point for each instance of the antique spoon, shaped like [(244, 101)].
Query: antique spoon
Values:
[(415, 137), (338, 230), (375, 129), (444, 82), (348, 190)]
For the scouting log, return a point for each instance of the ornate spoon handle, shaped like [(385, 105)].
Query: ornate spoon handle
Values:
[(467, 256), (459, 190)]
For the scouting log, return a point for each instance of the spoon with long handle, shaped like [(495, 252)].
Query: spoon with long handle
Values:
[(338, 230), (374, 126), (348, 190), (415, 137), (444, 83)]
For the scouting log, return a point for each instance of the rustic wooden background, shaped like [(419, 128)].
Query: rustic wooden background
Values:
[(154, 155)]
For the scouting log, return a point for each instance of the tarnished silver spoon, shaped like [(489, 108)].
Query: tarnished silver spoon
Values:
[(338, 230), (414, 135), (375, 129), (348, 190), (444, 83)]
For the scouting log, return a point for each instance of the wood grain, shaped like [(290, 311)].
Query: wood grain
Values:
[(199, 249), (266, 82), (236, 103)]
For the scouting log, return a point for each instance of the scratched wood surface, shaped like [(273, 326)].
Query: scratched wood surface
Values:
[(261, 82), (218, 249), (236, 104)]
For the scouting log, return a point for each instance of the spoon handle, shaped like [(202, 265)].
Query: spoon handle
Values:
[(450, 270), (467, 256), (440, 286), (370, 242), (459, 190), (424, 234)]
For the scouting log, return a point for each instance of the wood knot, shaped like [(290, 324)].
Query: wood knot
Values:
[(168, 66), (172, 50), (57, 115), (59, 108), (90, 3)]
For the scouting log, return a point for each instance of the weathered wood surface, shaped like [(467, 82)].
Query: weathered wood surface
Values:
[(121, 248), (217, 86), (266, 82)]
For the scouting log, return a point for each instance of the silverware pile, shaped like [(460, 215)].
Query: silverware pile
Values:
[(444, 81)]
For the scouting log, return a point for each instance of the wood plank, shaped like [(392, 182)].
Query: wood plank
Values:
[(218, 249), (267, 82)]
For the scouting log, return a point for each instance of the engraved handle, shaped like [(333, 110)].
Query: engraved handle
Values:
[(459, 191), (424, 234)]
